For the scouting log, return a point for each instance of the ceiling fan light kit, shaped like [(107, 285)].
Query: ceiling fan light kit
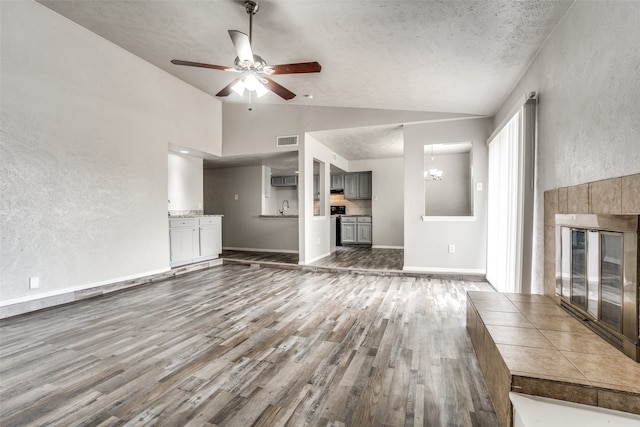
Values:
[(254, 71)]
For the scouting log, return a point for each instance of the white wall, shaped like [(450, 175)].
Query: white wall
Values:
[(425, 242), (184, 182), (589, 114), (85, 127), (242, 228), (387, 202), (315, 231)]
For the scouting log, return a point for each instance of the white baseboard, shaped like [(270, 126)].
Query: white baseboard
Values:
[(63, 291), (286, 251), (314, 259), (445, 270), (387, 247)]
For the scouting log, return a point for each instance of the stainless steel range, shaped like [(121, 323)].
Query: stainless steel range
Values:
[(597, 275)]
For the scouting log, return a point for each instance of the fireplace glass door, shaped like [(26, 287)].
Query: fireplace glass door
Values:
[(593, 273), (611, 260), (578, 268)]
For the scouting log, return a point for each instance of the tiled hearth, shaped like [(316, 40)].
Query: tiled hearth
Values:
[(528, 344)]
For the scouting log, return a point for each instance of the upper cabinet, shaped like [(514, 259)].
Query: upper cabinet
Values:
[(364, 186), (284, 181), (357, 186), (337, 181)]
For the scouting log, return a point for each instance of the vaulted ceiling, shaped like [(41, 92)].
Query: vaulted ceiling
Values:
[(456, 56)]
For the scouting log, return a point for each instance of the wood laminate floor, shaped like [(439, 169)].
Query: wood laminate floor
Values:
[(364, 258), (276, 257), (238, 346), (344, 257)]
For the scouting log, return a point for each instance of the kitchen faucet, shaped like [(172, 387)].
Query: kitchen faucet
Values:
[(283, 210)]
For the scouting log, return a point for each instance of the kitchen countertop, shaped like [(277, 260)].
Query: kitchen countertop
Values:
[(278, 216), (191, 216)]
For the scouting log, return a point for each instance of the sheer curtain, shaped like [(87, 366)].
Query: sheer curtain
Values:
[(509, 228)]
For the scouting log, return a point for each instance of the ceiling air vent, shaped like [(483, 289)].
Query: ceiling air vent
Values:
[(287, 141)]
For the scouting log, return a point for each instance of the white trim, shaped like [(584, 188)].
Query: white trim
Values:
[(314, 259), (533, 411), (445, 270), (58, 292), (449, 218), (386, 247), (231, 248)]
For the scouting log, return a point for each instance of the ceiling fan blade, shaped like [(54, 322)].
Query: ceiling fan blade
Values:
[(227, 89), (279, 90), (242, 44), (198, 64), (301, 67)]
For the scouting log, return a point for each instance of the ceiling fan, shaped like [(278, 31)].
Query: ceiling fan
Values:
[(254, 71)]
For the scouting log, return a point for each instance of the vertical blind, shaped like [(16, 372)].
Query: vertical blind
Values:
[(510, 200), (504, 230)]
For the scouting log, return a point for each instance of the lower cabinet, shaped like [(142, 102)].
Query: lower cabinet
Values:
[(364, 233), (194, 239), (349, 234), (356, 230), (210, 237)]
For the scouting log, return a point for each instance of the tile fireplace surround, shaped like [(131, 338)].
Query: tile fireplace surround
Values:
[(529, 344)]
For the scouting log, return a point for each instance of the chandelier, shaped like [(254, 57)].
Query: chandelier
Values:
[(433, 174)]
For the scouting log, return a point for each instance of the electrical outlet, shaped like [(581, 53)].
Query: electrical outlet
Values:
[(479, 186), (34, 282), (452, 249), (235, 197)]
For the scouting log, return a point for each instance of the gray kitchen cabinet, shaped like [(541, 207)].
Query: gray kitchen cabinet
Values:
[(356, 230), (351, 184), (348, 230), (337, 181), (284, 181), (357, 186), (363, 231), (194, 239), (364, 186)]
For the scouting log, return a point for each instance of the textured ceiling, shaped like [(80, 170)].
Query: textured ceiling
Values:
[(462, 56)]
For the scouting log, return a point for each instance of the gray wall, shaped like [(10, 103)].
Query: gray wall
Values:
[(85, 129), (589, 114), (269, 121), (241, 226), (426, 242), (387, 204), (452, 195)]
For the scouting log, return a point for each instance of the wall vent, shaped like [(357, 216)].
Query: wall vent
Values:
[(287, 141)]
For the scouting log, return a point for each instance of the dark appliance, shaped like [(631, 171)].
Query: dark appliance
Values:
[(338, 211)]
